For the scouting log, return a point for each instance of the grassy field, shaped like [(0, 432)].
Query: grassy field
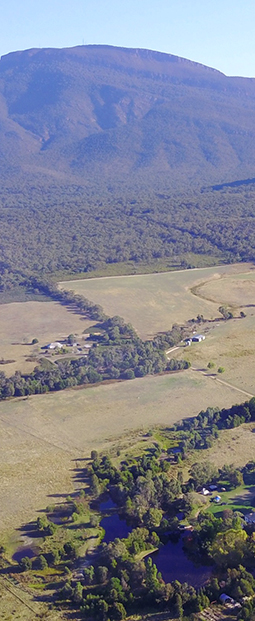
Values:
[(229, 344), (44, 437), (239, 499), (153, 302), (17, 603), (21, 322), (236, 290)]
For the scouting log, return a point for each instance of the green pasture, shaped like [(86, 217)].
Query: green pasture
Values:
[(240, 499)]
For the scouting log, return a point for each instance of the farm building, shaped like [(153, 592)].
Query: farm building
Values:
[(250, 518), (205, 491), (217, 499), (226, 599), (198, 338), (54, 345)]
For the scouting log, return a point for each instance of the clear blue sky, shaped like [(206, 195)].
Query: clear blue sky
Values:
[(218, 33)]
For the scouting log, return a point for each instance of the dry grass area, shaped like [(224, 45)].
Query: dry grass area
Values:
[(17, 603), (233, 290), (234, 446), (44, 437), (229, 344), (21, 322), (153, 302)]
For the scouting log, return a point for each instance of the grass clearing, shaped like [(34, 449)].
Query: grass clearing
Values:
[(17, 603), (21, 322), (240, 499), (153, 302), (230, 344), (44, 439)]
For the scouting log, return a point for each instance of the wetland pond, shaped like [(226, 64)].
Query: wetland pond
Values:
[(171, 559)]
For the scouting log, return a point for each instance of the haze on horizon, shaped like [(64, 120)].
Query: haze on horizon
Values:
[(217, 34)]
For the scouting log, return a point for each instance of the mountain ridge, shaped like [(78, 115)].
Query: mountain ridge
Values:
[(147, 113)]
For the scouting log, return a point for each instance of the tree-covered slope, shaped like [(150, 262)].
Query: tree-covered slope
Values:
[(110, 154), (105, 112)]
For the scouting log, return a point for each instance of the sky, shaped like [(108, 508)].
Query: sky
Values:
[(217, 33)]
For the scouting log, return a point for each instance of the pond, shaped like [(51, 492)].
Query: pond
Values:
[(114, 527), (171, 559), (22, 552), (174, 564), (106, 505)]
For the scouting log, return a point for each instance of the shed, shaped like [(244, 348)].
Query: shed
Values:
[(212, 488), (205, 491), (54, 345), (198, 338), (250, 518), (226, 599), (217, 499)]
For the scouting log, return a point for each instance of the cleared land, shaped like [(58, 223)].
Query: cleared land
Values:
[(153, 302), (42, 438), (21, 322)]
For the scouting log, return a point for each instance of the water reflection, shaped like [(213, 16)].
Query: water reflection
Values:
[(174, 564), (114, 527)]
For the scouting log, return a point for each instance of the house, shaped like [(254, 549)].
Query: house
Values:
[(54, 345), (188, 342), (250, 518), (217, 499), (205, 491), (198, 338), (226, 599)]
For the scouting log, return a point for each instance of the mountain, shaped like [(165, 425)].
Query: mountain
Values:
[(112, 155), (104, 113)]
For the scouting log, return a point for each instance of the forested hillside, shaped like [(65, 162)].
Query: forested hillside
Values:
[(111, 155), (77, 232)]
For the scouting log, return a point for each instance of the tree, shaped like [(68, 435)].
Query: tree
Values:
[(178, 606), (128, 374), (77, 594), (41, 562), (118, 611), (71, 339), (153, 518), (25, 563), (89, 574), (34, 341), (226, 314), (203, 473), (102, 574), (221, 370), (94, 455), (228, 548)]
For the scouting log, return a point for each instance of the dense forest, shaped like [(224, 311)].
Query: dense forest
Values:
[(66, 230)]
